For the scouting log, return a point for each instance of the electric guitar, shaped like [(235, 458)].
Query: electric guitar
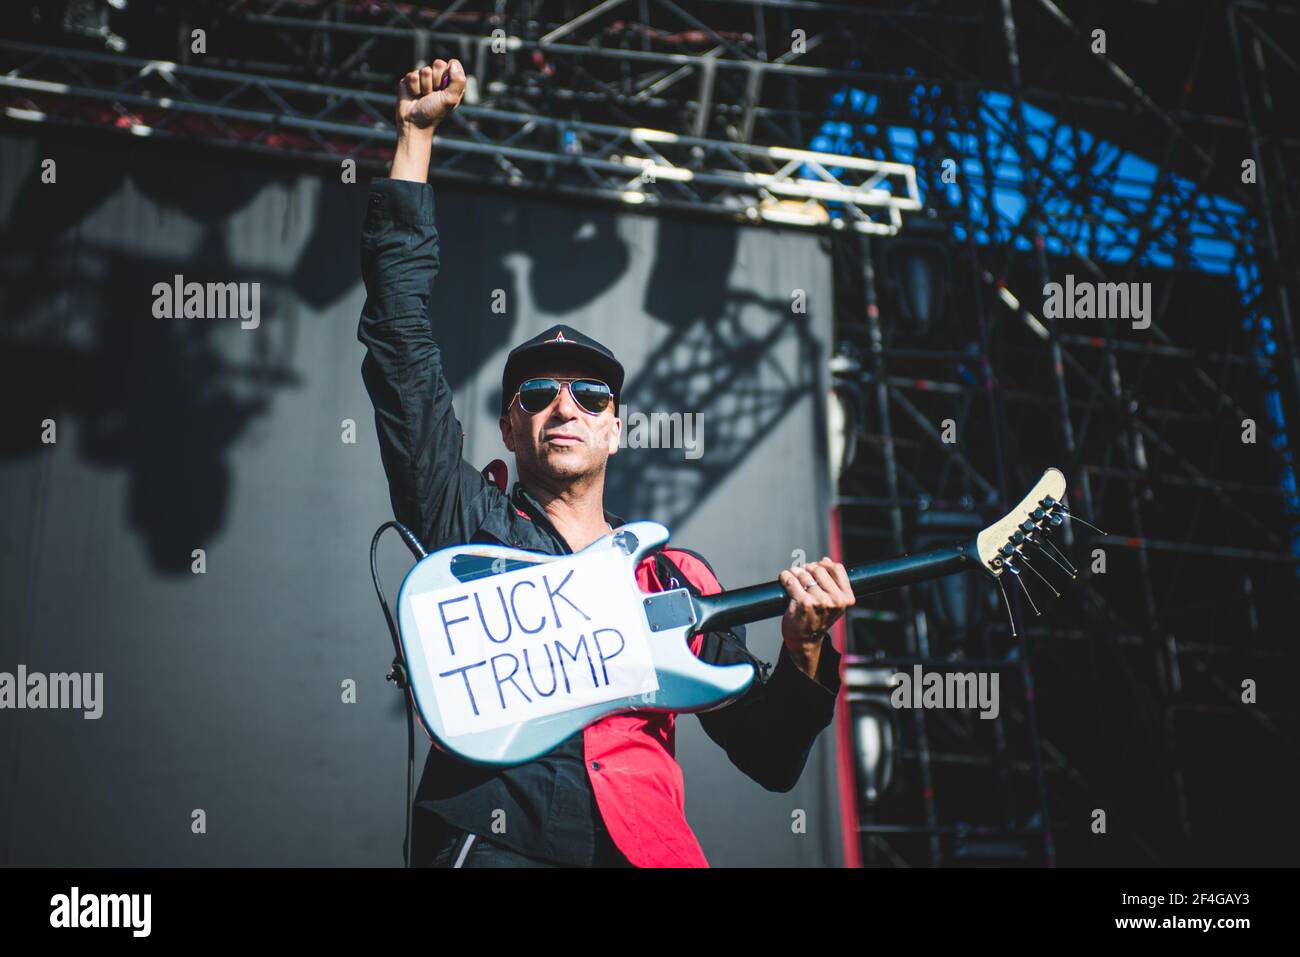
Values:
[(508, 652)]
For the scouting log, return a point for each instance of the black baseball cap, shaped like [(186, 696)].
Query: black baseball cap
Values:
[(559, 345)]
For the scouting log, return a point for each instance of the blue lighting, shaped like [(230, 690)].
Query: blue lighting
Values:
[(1096, 199)]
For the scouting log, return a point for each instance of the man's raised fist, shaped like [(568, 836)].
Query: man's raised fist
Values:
[(427, 95)]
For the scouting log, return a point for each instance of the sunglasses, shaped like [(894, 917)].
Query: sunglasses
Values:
[(536, 395)]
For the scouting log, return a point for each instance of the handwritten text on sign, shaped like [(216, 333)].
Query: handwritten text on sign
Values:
[(534, 642)]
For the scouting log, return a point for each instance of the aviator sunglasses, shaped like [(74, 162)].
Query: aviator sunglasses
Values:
[(592, 395)]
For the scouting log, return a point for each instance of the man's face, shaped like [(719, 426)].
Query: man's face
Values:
[(563, 442)]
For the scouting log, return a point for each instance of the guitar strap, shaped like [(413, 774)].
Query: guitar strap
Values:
[(718, 647)]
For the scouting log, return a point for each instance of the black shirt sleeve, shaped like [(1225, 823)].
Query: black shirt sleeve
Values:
[(434, 491), (769, 731)]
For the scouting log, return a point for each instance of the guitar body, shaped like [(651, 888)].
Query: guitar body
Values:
[(685, 683), (508, 652)]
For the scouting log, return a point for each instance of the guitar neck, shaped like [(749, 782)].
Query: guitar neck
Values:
[(744, 605)]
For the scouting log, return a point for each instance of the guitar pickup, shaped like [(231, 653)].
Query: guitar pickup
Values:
[(667, 610)]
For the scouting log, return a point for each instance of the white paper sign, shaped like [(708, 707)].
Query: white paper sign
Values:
[(534, 642)]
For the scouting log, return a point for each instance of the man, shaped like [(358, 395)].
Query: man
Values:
[(613, 793)]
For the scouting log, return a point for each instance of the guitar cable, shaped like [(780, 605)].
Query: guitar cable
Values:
[(397, 674)]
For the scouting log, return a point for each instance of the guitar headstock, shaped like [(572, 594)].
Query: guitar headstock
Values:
[(1001, 546)]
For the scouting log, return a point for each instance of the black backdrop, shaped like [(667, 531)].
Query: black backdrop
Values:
[(222, 691)]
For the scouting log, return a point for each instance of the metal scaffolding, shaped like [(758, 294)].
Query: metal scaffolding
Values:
[(1148, 425), (962, 157)]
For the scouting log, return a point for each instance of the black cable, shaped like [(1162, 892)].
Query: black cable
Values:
[(397, 674)]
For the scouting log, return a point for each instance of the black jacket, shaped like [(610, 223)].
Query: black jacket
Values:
[(445, 500)]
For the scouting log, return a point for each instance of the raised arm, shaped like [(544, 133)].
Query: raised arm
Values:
[(434, 491)]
